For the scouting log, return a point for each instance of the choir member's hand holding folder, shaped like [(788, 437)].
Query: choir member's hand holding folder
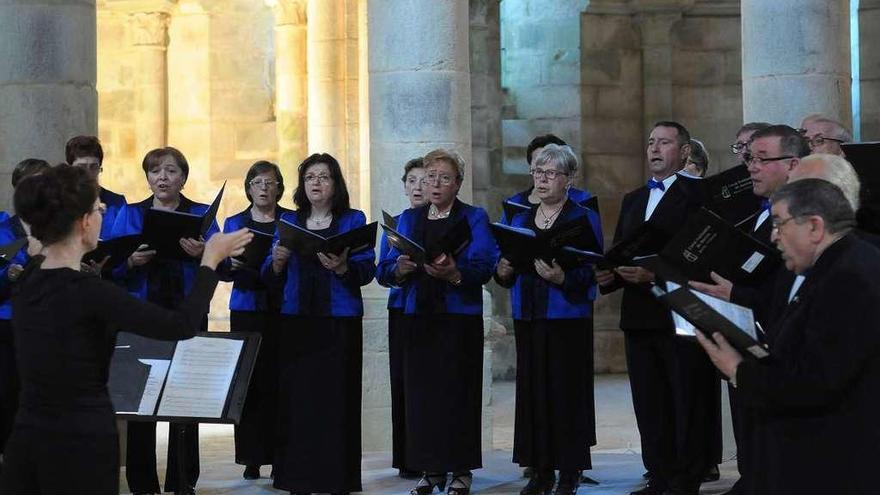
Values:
[(8, 251), (709, 243), (112, 252), (694, 310), (452, 243), (307, 243), (163, 229), (571, 245)]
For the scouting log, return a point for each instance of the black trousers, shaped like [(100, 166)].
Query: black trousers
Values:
[(396, 349), (673, 384), (255, 434), (743, 430), (40, 462), (140, 458), (8, 382)]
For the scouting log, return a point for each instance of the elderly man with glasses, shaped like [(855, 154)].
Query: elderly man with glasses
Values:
[(824, 134)]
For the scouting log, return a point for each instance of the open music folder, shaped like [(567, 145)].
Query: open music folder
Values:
[(307, 243), (571, 245), (163, 229), (730, 195), (454, 241)]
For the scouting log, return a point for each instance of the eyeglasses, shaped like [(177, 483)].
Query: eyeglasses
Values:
[(263, 183), (776, 225), (320, 179), (101, 208), (750, 158), (550, 174), (738, 147), (443, 179), (817, 141)]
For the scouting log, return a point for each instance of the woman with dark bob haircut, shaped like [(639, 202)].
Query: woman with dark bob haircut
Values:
[(319, 406), (251, 309), (65, 439)]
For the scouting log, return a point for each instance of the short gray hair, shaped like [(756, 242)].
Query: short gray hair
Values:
[(839, 172), (561, 156), (698, 156), (808, 197)]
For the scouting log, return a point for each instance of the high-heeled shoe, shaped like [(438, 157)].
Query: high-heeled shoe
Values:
[(541, 483), (461, 484), (427, 482)]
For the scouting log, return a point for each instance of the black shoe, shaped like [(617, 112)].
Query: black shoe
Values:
[(646, 475), (712, 474), (650, 489), (426, 484), (528, 472), (461, 484), (541, 483), (251, 473), (586, 480), (408, 474), (568, 483)]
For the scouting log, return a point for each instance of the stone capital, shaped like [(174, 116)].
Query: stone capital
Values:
[(149, 29), (288, 12), (136, 6)]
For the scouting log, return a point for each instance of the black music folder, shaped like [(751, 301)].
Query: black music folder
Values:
[(307, 243), (865, 159), (571, 245), (709, 314), (512, 208), (164, 229), (8, 251), (709, 243), (642, 245), (256, 252), (730, 194), (453, 242), (389, 220), (118, 249)]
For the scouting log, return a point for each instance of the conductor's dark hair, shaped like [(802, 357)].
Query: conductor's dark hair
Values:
[(259, 168), (540, 142), (791, 141), (154, 157), (340, 202), (808, 197), (683, 137), (27, 167), (413, 163), (80, 146), (51, 201)]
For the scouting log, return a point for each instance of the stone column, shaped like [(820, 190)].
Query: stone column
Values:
[(420, 95), (150, 41), (796, 60), (869, 69), (47, 80), (657, 69), (291, 86)]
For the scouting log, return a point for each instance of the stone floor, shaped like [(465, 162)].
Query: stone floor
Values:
[(616, 461)]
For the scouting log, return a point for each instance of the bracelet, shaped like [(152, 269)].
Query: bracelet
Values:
[(456, 282)]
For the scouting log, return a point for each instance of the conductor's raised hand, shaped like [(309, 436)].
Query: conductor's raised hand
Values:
[(444, 268), (720, 289), (604, 277), (141, 257), (221, 246), (337, 264), (635, 274), (550, 272), (193, 247), (280, 255), (504, 269), (34, 246), (722, 354)]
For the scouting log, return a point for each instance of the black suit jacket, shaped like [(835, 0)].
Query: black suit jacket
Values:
[(816, 400), (639, 309)]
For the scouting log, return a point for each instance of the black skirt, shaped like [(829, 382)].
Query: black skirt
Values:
[(319, 404), (255, 439), (443, 380), (555, 421), (8, 382), (396, 349)]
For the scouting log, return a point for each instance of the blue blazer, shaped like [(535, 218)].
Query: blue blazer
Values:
[(476, 262), (574, 194), (533, 298), (115, 203), (307, 288), (168, 279), (395, 295), (249, 293), (10, 230)]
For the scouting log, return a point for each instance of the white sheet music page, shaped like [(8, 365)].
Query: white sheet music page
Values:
[(200, 376), (158, 370), (740, 316)]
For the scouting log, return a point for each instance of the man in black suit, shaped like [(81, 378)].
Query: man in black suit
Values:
[(816, 397), (672, 381)]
